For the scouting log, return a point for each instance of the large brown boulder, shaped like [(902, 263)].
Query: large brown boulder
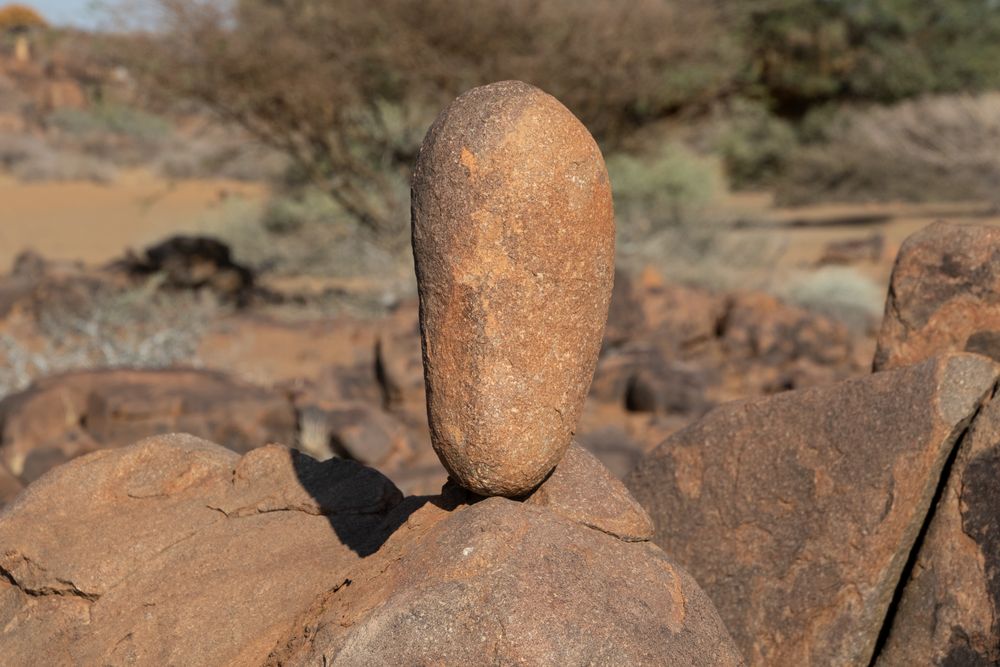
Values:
[(944, 295), (513, 241), (177, 551), (64, 416), (797, 512), (949, 611)]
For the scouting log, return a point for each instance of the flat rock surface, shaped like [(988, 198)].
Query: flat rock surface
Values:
[(949, 613), (178, 551), (513, 238), (944, 295), (797, 512)]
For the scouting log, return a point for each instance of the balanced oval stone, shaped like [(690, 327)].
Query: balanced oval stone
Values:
[(513, 238)]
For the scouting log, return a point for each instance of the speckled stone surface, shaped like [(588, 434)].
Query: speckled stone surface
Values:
[(583, 490), (513, 237), (798, 512)]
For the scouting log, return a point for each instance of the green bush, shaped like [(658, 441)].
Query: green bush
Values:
[(110, 119), (755, 145), (803, 53), (666, 188), (665, 205), (292, 213), (840, 293)]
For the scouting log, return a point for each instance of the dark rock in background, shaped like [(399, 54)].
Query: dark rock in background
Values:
[(944, 295)]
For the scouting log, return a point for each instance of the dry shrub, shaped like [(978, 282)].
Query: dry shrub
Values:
[(139, 328), (347, 88), (840, 293), (31, 159), (216, 152), (50, 165), (935, 148), (19, 17)]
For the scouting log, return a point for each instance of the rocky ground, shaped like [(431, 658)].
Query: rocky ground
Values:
[(353, 387), (861, 518), (839, 517)]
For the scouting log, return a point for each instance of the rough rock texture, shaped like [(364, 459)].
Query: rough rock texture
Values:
[(582, 489), (944, 295), (10, 486), (797, 512), (129, 556), (177, 551), (64, 416), (949, 612), (513, 237), (505, 583)]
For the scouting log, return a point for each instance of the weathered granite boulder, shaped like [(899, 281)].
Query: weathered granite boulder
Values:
[(178, 551), (949, 611), (797, 512), (944, 296), (513, 239)]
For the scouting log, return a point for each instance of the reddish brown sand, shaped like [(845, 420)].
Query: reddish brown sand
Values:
[(95, 223)]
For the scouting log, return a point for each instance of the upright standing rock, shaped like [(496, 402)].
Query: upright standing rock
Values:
[(513, 237)]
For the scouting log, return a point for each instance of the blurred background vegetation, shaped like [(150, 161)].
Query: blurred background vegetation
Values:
[(691, 101)]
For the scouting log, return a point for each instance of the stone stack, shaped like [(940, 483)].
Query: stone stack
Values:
[(178, 551), (513, 237)]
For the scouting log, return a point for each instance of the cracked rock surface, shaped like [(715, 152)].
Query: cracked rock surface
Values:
[(949, 611), (178, 551), (798, 513)]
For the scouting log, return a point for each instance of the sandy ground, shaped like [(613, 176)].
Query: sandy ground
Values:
[(95, 223)]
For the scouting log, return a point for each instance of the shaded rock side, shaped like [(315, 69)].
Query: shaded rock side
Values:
[(513, 238), (178, 551), (798, 512), (944, 296), (949, 612)]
